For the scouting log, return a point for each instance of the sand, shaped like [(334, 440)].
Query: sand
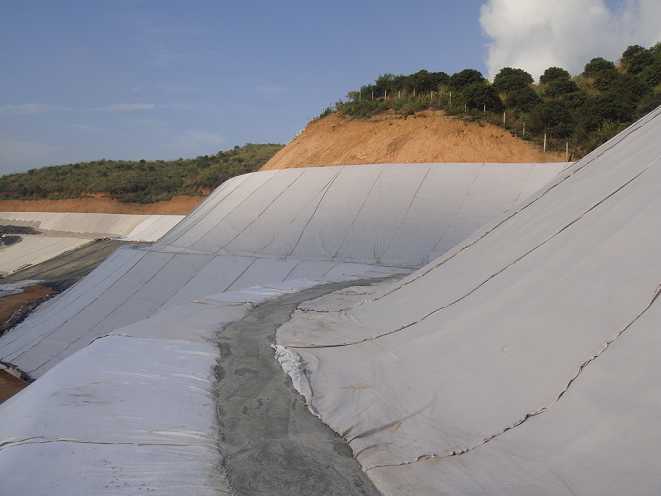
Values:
[(427, 136)]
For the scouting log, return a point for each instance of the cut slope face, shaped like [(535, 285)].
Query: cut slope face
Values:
[(525, 360), (425, 137)]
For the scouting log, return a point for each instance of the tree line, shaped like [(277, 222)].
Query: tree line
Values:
[(141, 181), (583, 110)]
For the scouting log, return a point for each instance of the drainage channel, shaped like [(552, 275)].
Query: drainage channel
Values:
[(270, 442)]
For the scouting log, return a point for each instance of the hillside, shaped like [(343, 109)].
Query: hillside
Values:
[(563, 112), (428, 136), (119, 186)]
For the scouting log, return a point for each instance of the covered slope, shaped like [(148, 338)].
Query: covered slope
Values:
[(262, 228), (136, 365), (52, 234), (428, 136), (525, 360)]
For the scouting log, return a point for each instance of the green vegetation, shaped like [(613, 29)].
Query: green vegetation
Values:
[(142, 181), (582, 111)]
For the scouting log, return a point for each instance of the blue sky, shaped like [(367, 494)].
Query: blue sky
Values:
[(131, 79), (165, 79)]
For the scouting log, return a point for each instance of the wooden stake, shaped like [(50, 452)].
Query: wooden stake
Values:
[(566, 151), (524, 129), (544, 142), (504, 118)]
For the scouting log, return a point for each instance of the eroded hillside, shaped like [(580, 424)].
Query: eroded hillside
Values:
[(428, 136)]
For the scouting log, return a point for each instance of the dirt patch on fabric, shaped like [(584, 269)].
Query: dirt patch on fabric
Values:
[(428, 136), (179, 205), (270, 442), (15, 307), (9, 385)]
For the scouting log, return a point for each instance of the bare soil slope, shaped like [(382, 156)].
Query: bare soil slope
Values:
[(179, 205), (427, 136)]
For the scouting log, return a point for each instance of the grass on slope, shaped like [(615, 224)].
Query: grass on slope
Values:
[(143, 181)]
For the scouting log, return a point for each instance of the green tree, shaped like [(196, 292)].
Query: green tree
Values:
[(479, 94), (559, 87), (464, 78), (523, 99), (510, 79), (552, 117), (650, 76), (597, 66), (554, 74), (636, 58)]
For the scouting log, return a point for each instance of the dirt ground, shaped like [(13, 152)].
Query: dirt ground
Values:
[(425, 137), (179, 205), (9, 385)]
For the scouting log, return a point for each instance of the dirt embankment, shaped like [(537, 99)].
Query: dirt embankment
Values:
[(427, 136), (179, 205)]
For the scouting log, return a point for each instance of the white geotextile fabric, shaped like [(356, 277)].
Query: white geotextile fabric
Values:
[(124, 358), (523, 361), (321, 224), (133, 412), (125, 226), (34, 249)]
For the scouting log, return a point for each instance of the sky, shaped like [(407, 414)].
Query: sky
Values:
[(133, 79)]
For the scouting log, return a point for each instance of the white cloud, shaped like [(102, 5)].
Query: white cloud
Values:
[(537, 34), (31, 108)]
